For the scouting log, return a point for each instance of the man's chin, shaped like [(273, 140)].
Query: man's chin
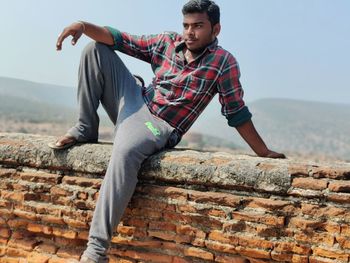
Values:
[(195, 50)]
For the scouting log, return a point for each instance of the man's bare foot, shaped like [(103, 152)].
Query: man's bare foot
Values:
[(63, 142)]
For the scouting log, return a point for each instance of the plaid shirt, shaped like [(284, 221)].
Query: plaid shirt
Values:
[(180, 91)]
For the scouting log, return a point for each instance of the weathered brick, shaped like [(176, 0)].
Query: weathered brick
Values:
[(46, 248), (229, 259), (166, 226), (84, 235), (65, 242), (17, 222), (2, 221), (73, 253), (220, 247), (16, 252), (164, 191), (37, 228), (25, 215), (162, 235), (345, 230), (331, 253), (114, 259), (269, 204), (301, 223), (315, 238), (8, 173), (339, 186), (66, 233), (41, 177), (310, 183), (215, 198), (298, 170), (2, 250), (339, 198), (180, 260), (125, 230), (51, 219), (314, 259), (191, 231), (5, 232), (25, 244), (10, 260), (3, 241), (75, 223), (325, 210), (151, 203), (253, 252), (82, 181), (198, 253), (137, 222), (22, 234), (259, 218), (291, 247), (12, 196), (343, 242), (56, 259), (60, 191), (35, 257), (307, 193), (150, 256), (254, 242), (330, 172)]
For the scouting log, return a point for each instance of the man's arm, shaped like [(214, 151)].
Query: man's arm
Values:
[(97, 33), (252, 137)]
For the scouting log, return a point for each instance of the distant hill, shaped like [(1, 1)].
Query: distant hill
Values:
[(38, 92), (304, 127), (289, 125)]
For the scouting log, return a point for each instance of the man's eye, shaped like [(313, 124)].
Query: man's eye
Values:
[(198, 26)]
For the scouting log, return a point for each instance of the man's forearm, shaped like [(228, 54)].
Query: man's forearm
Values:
[(251, 136), (98, 33)]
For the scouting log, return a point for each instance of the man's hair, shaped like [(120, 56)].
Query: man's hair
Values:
[(203, 6)]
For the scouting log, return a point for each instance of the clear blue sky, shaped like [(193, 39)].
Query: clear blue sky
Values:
[(292, 49)]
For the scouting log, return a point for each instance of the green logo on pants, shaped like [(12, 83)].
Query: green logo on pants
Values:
[(154, 130)]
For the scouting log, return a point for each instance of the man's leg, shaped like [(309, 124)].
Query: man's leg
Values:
[(139, 134), (102, 78)]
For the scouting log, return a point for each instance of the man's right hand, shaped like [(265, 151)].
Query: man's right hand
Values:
[(75, 30)]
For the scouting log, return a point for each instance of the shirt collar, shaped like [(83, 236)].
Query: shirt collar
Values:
[(211, 47)]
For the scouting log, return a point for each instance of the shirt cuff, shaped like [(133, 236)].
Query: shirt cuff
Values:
[(117, 36), (239, 117)]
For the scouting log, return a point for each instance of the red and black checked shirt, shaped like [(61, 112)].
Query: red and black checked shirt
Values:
[(179, 91)]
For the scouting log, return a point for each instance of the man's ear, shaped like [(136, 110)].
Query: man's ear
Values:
[(216, 29)]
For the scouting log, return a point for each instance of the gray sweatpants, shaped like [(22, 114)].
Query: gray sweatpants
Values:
[(104, 78)]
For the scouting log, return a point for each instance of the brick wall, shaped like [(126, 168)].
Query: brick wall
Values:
[(188, 207)]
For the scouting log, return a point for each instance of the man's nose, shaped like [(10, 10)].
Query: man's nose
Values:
[(190, 31)]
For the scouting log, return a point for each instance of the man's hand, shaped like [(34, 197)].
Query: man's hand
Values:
[(75, 30), (252, 137), (97, 33)]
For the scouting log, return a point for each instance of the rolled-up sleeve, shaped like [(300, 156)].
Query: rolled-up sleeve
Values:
[(141, 47), (231, 94)]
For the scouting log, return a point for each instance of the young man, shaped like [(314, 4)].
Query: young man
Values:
[(189, 70)]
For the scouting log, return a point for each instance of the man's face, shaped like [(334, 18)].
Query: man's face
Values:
[(198, 32)]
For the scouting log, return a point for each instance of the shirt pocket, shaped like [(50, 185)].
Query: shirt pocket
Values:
[(198, 87)]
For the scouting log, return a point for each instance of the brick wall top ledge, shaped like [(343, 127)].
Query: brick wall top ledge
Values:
[(212, 169)]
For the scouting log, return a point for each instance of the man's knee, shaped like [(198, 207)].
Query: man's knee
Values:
[(94, 46)]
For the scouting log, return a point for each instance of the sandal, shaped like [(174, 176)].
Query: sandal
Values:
[(58, 145)]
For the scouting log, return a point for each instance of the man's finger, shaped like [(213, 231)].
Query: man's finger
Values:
[(75, 38), (60, 39)]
